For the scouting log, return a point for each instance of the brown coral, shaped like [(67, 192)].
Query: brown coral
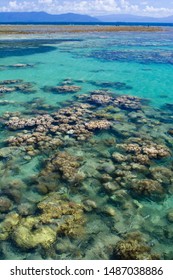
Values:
[(143, 150), (66, 215), (98, 124), (128, 102), (147, 188), (100, 99), (5, 204), (57, 216), (66, 164), (133, 247)]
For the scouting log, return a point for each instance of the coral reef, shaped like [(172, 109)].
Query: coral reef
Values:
[(147, 188), (13, 189), (67, 216), (4, 89), (8, 86), (71, 121), (116, 85), (8, 225), (40, 121), (143, 149), (101, 154), (100, 98), (162, 174), (57, 217), (5, 204), (33, 143), (170, 131), (98, 124), (128, 102), (133, 247), (26, 237), (63, 89), (169, 216), (66, 164), (21, 65), (118, 157)]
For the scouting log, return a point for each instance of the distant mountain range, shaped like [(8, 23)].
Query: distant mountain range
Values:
[(133, 18), (24, 17)]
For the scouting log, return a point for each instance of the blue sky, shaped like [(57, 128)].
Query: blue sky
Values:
[(156, 8)]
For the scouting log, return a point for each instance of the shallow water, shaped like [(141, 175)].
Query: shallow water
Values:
[(97, 171)]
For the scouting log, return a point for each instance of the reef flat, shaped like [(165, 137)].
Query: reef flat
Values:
[(86, 145), (40, 29)]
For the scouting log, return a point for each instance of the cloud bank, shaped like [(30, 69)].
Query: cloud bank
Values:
[(91, 7)]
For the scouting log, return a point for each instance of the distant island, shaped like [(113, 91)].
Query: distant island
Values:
[(43, 17)]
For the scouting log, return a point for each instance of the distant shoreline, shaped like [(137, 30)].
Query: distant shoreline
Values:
[(91, 23)]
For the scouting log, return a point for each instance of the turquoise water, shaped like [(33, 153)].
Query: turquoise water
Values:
[(60, 200)]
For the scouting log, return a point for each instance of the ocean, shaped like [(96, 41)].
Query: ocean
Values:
[(86, 141)]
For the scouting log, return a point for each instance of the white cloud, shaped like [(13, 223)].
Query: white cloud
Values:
[(90, 7), (45, 2), (127, 7), (13, 4), (93, 7), (3, 9), (144, 2), (158, 11)]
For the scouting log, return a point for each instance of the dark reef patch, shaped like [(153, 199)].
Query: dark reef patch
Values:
[(28, 47), (144, 57)]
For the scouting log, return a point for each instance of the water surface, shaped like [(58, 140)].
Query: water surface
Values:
[(86, 144)]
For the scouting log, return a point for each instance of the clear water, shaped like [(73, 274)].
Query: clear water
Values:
[(143, 63)]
